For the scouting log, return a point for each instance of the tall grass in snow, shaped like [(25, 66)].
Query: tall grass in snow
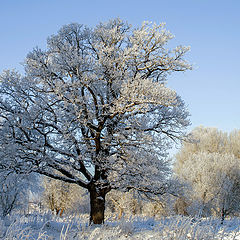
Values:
[(42, 227)]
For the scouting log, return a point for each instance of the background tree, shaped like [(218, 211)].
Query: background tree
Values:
[(64, 198), (14, 192), (210, 164), (132, 203), (123, 203), (94, 109), (14, 186)]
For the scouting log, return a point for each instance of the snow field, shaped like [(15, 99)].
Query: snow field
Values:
[(48, 227)]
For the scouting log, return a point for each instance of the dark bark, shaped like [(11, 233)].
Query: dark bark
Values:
[(97, 205), (223, 215)]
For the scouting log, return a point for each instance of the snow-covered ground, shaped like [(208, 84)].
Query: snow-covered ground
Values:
[(49, 227)]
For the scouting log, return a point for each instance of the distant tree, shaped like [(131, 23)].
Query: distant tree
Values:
[(202, 139), (56, 196), (61, 197), (132, 203), (123, 203), (180, 206), (94, 109), (13, 192), (210, 164)]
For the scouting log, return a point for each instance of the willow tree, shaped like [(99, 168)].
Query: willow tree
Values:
[(93, 109)]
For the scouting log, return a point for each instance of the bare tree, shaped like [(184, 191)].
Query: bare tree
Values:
[(94, 109)]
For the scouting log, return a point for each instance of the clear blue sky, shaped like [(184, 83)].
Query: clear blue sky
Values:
[(210, 27)]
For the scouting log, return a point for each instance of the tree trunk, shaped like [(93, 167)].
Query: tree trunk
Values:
[(223, 214), (97, 206)]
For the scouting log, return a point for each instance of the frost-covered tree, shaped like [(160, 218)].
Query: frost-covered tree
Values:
[(123, 203), (132, 203), (56, 196), (93, 109), (203, 139), (13, 192), (210, 164), (61, 197), (13, 186)]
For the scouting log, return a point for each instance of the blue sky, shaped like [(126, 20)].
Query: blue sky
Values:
[(210, 27)]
